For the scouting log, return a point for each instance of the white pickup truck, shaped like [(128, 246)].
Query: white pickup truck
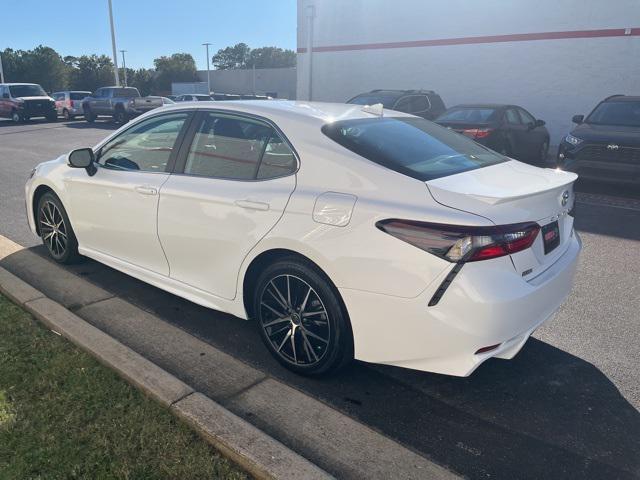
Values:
[(121, 103)]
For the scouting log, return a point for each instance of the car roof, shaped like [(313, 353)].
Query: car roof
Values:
[(319, 113), (495, 106), (622, 98), (397, 92)]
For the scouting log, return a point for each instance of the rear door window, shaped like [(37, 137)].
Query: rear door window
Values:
[(411, 146), (512, 117), (238, 148)]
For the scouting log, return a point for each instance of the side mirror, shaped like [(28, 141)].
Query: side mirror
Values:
[(83, 158), (540, 123), (578, 119)]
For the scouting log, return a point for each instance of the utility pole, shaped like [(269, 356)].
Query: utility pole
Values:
[(1, 71), (113, 46), (124, 67), (311, 13), (208, 69)]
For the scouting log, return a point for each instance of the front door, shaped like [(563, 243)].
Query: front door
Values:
[(232, 184), (114, 212)]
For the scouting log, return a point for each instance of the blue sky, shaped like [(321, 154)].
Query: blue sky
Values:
[(148, 28)]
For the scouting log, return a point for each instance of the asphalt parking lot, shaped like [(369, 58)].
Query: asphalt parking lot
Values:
[(568, 406)]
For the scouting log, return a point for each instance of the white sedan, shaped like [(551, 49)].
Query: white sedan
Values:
[(343, 231)]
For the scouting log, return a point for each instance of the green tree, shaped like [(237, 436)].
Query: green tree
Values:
[(271, 57), (41, 65), (179, 67), (90, 72), (232, 57), (143, 79)]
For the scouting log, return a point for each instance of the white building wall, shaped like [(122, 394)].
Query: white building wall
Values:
[(552, 78)]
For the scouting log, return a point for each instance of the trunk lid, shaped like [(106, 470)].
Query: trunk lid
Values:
[(514, 192)]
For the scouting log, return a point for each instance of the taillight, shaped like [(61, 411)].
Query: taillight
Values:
[(461, 243), (477, 133), (71, 104)]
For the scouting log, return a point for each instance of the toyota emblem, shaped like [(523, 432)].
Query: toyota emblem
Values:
[(613, 146)]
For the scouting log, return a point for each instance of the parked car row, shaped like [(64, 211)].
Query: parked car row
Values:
[(507, 129)]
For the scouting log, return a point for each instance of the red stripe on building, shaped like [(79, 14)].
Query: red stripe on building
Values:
[(516, 37)]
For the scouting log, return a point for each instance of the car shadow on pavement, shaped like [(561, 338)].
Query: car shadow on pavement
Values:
[(544, 414)]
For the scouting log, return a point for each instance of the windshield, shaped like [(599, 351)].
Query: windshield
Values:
[(616, 113), (468, 115), (412, 146), (27, 91), (387, 101), (79, 95)]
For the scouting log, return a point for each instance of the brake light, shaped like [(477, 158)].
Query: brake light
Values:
[(462, 243), (477, 133)]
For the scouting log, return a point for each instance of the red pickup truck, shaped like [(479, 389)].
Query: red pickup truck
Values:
[(22, 101)]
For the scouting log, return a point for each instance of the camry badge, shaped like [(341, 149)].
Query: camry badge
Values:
[(613, 146), (565, 198)]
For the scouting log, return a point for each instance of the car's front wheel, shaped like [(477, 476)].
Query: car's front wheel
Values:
[(55, 230), (16, 117), (301, 318)]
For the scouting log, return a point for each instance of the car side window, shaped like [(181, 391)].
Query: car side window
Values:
[(419, 103), (526, 116), (402, 105), (147, 146), (230, 147), (512, 117)]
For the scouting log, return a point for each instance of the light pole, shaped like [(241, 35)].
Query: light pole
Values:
[(124, 67), (113, 46), (1, 71), (208, 70)]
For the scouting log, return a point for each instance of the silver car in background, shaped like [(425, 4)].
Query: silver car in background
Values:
[(69, 103)]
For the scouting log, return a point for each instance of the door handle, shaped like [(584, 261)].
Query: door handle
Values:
[(145, 190), (252, 205)]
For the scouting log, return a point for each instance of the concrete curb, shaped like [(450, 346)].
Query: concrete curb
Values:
[(255, 451)]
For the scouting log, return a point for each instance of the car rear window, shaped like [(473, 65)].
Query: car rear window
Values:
[(126, 92), (616, 113), (79, 95), (469, 115), (411, 146)]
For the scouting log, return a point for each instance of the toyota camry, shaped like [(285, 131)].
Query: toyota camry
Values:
[(343, 231)]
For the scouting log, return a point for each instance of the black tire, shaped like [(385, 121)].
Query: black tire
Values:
[(55, 230), (312, 314), (16, 117), (89, 116), (543, 154), (120, 116)]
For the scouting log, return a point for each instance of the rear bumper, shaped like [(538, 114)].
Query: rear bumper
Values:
[(488, 303)]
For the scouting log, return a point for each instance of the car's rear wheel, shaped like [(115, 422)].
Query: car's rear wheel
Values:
[(55, 230), (120, 116), (544, 152), (301, 318), (89, 116)]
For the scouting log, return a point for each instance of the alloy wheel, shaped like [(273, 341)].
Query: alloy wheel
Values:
[(295, 320), (53, 229), (15, 116)]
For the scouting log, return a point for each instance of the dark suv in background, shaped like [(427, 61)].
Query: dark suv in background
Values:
[(605, 145), (422, 103), (22, 101)]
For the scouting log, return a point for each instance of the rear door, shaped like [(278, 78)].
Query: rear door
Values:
[(233, 180), (516, 133), (534, 137)]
